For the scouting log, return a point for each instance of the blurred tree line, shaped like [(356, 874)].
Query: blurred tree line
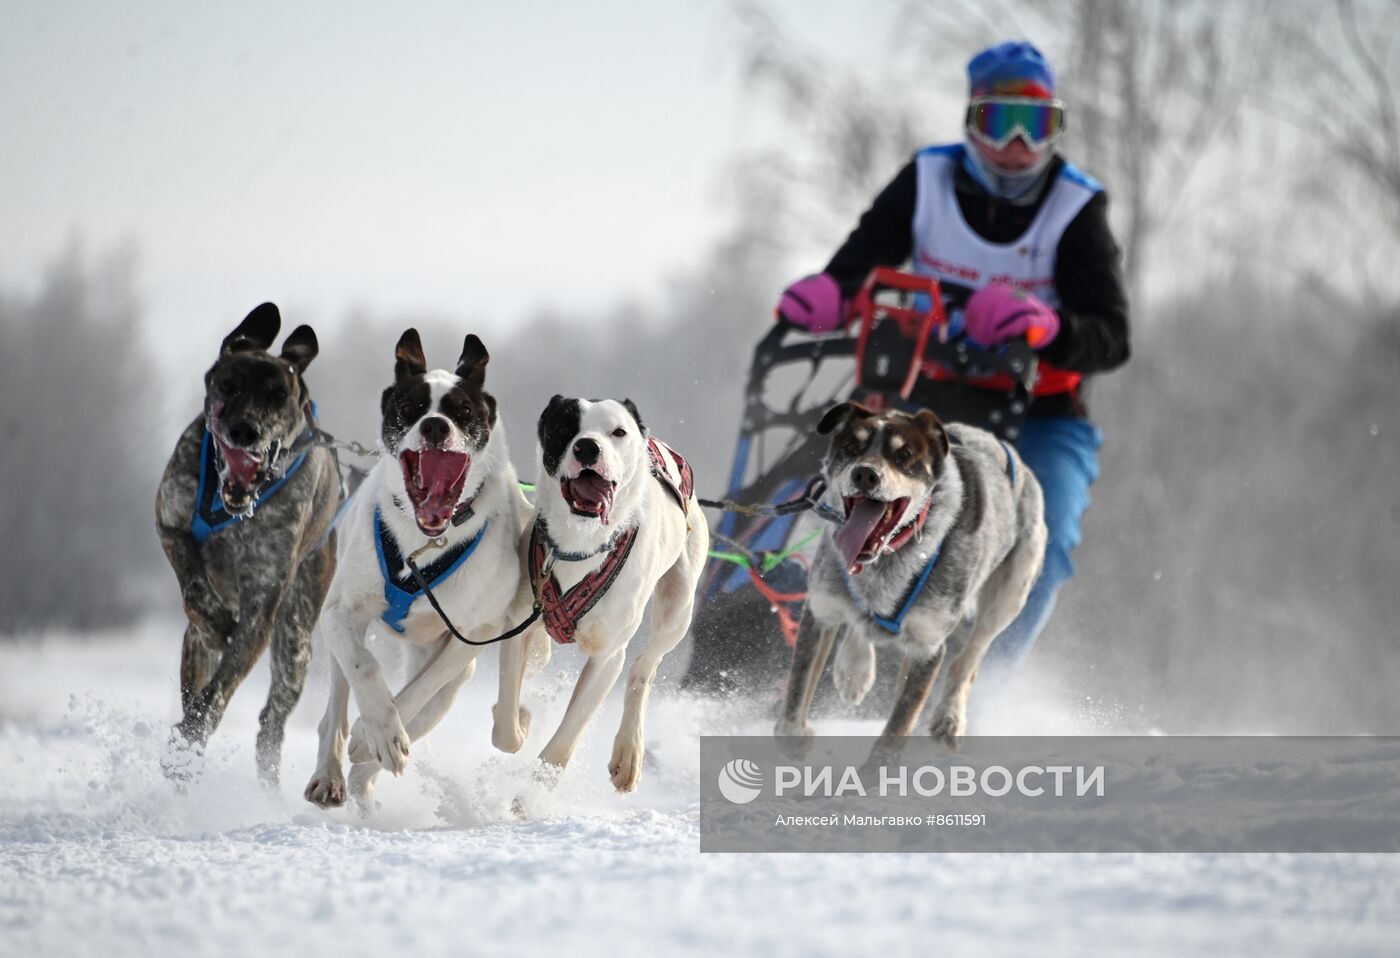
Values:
[(76, 507), (1240, 557)]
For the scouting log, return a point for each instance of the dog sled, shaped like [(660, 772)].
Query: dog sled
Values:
[(900, 351)]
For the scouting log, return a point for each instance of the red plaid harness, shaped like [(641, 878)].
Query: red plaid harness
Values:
[(561, 610)]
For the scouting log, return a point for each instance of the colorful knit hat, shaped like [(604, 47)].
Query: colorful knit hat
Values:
[(1010, 69)]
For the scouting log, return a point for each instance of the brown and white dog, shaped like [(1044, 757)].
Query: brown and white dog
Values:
[(244, 511), (943, 529), (616, 526), (444, 474)]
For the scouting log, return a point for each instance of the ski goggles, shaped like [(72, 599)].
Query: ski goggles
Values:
[(996, 120)]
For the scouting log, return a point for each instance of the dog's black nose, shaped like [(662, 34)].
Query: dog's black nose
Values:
[(243, 433), (586, 451), (434, 429), (865, 479)]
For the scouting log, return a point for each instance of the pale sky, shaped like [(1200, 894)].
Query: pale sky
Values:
[(465, 159)]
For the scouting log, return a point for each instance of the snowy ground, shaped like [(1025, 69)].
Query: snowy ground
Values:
[(99, 855)]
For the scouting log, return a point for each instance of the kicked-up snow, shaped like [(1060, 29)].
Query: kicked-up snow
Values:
[(99, 854)]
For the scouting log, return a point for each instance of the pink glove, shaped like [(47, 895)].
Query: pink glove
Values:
[(997, 313), (814, 303)]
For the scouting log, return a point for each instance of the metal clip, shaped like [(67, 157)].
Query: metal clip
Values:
[(436, 542)]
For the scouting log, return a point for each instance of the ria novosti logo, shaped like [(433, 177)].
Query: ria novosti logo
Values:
[(740, 781)]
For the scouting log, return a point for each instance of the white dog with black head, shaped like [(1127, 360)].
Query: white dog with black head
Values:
[(444, 480), (616, 526)]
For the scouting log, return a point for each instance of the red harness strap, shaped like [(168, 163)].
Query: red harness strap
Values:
[(682, 492), (562, 610)]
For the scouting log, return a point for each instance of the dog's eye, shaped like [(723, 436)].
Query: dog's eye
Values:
[(903, 454), (619, 432), (229, 387), (852, 447), (278, 396)]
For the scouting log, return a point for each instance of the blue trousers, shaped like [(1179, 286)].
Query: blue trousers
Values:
[(1064, 455)]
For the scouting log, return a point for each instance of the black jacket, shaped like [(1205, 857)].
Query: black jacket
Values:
[(1093, 307)]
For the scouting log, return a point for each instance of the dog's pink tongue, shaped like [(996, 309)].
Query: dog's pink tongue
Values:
[(593, 490), (443, 475), (241, 465), (851, 537), (592, 487)]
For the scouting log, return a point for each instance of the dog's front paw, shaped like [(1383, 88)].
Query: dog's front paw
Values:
[(794, 738), (326, 788), (182, 760), (384, 742), (506, 736), (853, 672), (625, 766), (948, 729)]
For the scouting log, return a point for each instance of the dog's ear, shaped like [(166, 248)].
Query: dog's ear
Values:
[(409, 360), (471, 366), (631, 407), (300, 348), (554, 401), (837, 415), (548, 415), (257, 331), (937, 435)]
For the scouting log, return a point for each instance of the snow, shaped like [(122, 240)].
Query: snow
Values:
[(99, 854)]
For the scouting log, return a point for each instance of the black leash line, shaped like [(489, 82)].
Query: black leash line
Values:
[(432, 600)]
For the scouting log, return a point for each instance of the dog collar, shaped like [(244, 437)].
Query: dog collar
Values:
[(541, 530), (563, 610), (210, 515), (400, 591)]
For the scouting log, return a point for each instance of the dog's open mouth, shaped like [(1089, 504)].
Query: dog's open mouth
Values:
[(434, 479), (238, 475), (589, 494), (868, 524)]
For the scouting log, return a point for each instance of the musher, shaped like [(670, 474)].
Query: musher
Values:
[(1019, 242)]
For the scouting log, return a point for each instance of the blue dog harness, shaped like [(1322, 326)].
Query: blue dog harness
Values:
[(400, 590), (210, 516), (893, 624)]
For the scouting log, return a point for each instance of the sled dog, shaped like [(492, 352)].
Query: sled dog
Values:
[(942, 530), (616, 525), (243, 512), (444, 473)]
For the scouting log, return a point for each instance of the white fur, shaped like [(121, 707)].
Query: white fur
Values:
[(666, 561), (484, 597)]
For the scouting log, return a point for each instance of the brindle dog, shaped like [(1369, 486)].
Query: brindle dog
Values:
[(244, 513)]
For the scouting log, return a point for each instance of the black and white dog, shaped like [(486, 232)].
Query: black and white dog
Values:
[(244, 511), (942, 528), (616, 526), (444, 474)]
